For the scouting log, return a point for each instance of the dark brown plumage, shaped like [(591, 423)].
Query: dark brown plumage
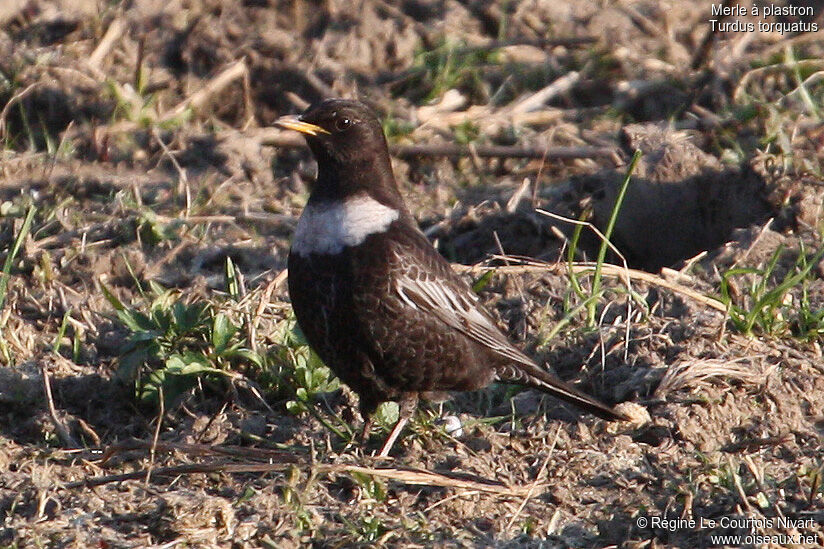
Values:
[(375, 300)]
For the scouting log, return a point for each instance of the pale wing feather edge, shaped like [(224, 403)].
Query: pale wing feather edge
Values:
[(459, 311)]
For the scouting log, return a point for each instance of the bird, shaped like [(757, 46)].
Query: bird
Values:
[(374, 299)]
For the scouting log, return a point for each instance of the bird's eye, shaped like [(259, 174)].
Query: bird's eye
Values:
[(342, 123)]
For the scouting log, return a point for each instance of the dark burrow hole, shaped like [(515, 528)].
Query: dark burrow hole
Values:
[(680, 202)]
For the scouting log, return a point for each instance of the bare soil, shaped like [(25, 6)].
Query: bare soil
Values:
[(141, 132)]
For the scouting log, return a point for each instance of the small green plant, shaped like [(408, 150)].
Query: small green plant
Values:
[(373, 490), (304, 371), (174, 344), (771, 309), (140, 106), (452, 65), (370, 529), (4, 276), (590, 302), (293, 493), (602, 251), (304, 377), (809, 322), (153, 231), (396, 127), (367, 531), (723, 476), (467, 132), (387, 415)]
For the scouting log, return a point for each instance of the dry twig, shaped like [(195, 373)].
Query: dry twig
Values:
[(13, 101), (113, 33), (280, 460), (608, 270), (65, 437), (288, 139), (704, 48), (504, 151), (265, 296), (537, 100), (195, 101)]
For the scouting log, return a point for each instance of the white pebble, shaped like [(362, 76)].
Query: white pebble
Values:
[(452, 425)]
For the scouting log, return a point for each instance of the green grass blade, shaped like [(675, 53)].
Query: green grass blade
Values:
[(15, 249), (61, 332), (602, 251)]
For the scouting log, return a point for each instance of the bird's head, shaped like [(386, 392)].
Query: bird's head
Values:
[(339, 131), (348, 143)]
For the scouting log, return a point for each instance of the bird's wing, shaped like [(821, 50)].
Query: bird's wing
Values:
[(435, 289), (426, 282)]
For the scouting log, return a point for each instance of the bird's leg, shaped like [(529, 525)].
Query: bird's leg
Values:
[(407, 405), (367, 410), (367, 429)]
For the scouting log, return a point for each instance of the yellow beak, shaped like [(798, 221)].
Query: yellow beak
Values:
[(298, 125)]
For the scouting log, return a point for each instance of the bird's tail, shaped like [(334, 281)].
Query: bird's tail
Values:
[(534, 376)]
